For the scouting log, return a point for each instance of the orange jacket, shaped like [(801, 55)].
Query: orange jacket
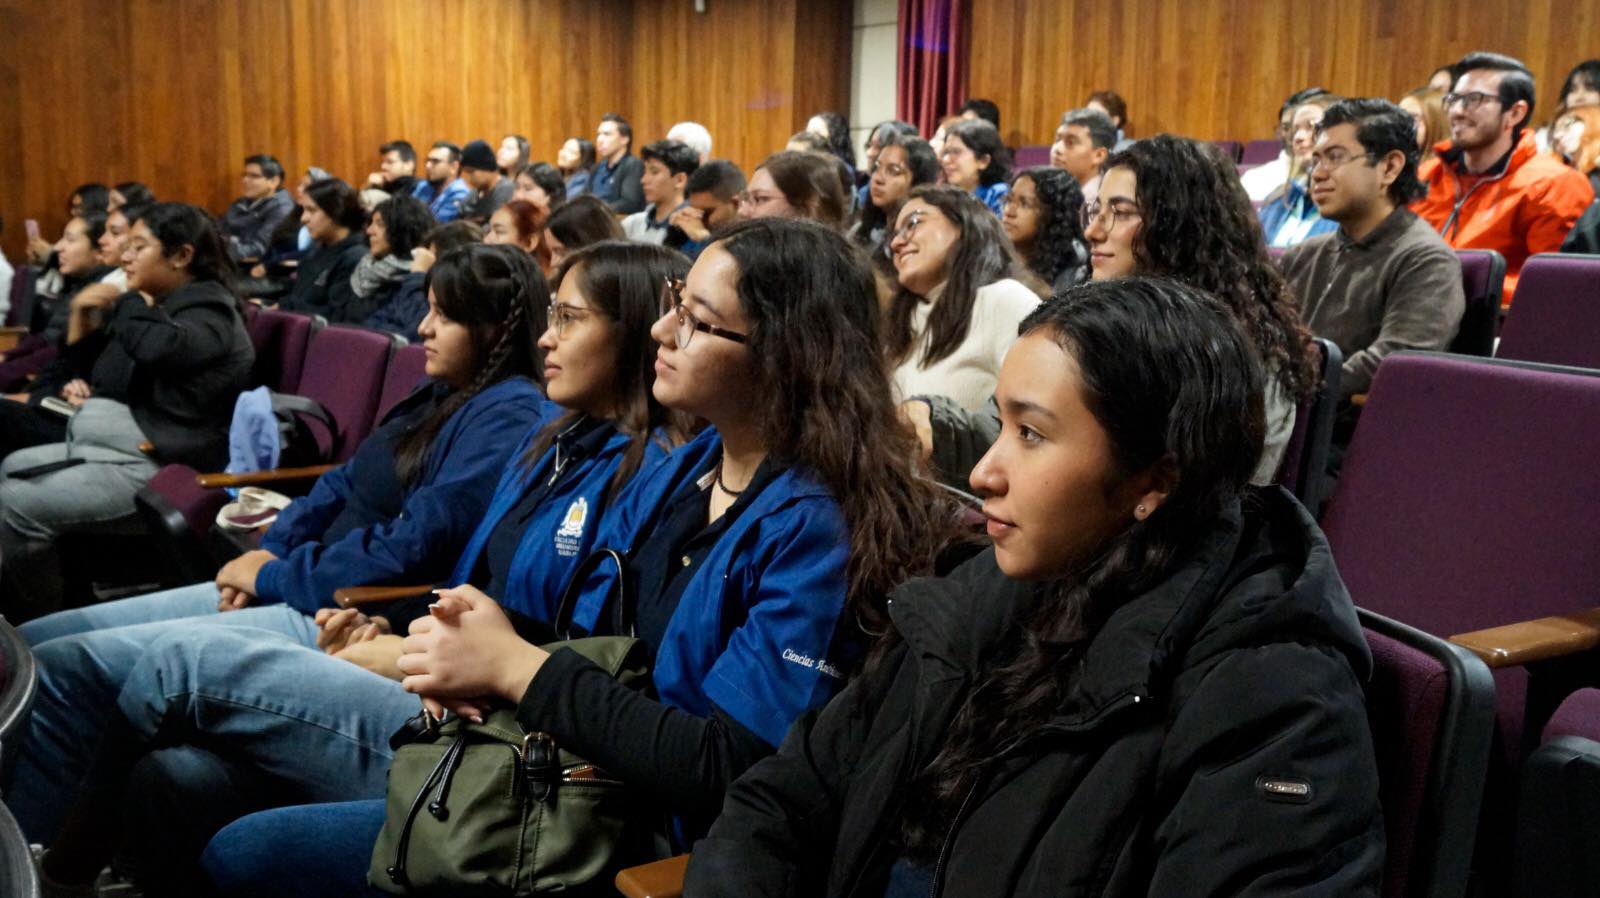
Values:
[(1529, 208)]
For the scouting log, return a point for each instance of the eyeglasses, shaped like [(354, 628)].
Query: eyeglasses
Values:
[(1110, 214), (1012, 201), (1470, 100), (746, 198), (561, 316), (909, 229), (687, 324), (1332, 161)]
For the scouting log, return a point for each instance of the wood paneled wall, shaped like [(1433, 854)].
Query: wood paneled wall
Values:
[(1218, 69), (176, 93)]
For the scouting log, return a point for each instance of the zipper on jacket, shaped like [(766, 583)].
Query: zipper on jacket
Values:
[(949, 837)]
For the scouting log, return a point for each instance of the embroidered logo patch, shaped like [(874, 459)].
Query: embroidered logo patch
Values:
[(569, 535)]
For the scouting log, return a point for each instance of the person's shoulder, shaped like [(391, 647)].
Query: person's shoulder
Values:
[(1009, 294)]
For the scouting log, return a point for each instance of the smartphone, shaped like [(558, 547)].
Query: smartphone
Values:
[(32, 227)]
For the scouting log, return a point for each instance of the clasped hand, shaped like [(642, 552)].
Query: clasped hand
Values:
[(466, 654)]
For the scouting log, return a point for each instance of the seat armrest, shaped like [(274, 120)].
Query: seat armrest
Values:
[(356, 596), (1514, 645), (661, 879), (1358, 399), (263, 478), (148, 448)]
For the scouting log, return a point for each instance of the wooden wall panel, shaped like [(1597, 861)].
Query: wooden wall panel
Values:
[(1217, 69), (176, 92)]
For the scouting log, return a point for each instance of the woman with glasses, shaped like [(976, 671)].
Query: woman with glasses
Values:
[(1289, 217), (901, 164), (1172, 207), (793, 184), (760, 552), (1153, 686), (1044, 218), (975, 159), (959, 303)]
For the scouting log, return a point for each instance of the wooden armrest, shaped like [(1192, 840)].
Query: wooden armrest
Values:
[(263, 478), (1358, 399), (10, 337), (662, 879), (356, 596), (1535, 640), (148, 448)]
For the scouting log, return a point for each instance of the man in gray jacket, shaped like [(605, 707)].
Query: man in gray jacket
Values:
[(1385, 280), (250, 221)]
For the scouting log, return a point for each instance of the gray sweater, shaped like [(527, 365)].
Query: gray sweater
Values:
[(1397, 288)]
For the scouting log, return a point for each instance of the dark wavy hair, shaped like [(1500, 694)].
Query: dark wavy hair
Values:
[(1057, 246), (980, 256), (1173, 382), (585, 220), (177, 225), (522, 154), (549, 179), (826, 401), (586, 157), (502, 298), (134, 193), (406, 223), (339, 201), (983, 140), (924, 168), (93, 196), (1199, 227), (1585, 74), (622, 280)]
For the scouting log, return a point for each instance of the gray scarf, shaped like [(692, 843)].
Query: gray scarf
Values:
[(372, 275)]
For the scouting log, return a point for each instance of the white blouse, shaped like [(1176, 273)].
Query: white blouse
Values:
[(967, 375)]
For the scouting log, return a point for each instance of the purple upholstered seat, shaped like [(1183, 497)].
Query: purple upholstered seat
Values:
[(1230, 149), (1260, 152), (1431, 709), (344, 371), (1483, 272), (280, 340), (1556, 318), (1305, 457), (1579, 715), (1558, 833), (407, 367), (1030, 156)]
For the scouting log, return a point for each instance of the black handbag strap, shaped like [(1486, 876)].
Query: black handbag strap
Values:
[(622, 611)]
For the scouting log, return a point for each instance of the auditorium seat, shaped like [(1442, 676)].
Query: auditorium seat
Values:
[(1260, 152), (406, 369), (1430, 705), (1556, 319), (1030, 156), (18, 683), (17, 876), (1558, 834), (1303, 470), (1483, 272), (1231, 150), (344, 372), (280, 340)]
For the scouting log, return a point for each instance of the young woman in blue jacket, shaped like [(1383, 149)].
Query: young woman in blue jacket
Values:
[(759, 554), (414, 488), (275, 692)]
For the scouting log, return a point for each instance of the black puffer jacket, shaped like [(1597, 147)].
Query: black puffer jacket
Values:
[(178, 366), (1203, 707)]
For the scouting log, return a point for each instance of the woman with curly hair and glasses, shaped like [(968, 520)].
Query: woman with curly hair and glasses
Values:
[(1174, 207), (1043, 217)]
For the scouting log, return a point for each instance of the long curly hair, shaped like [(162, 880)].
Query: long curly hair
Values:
[(1172, 380), (1199, 227), (1059, 243), (827, 405)]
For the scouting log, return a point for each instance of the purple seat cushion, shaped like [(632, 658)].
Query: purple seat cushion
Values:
[(1469, 498), (1579, 715), (1482, 272), (407, 367), (1405, 704), (1230, 149), (344, 371), (1556, 319), (1260, 152), (198, 505), (1030, 156)]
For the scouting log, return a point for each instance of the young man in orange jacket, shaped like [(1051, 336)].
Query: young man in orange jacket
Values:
[(1490, 188)]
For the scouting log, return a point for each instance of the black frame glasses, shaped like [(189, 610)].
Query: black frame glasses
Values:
[(687, 324)]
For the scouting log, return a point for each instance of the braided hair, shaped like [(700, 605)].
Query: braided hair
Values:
[(499, 294)]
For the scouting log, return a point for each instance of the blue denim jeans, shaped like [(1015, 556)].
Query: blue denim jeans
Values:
[(308, 851), (87, 658)]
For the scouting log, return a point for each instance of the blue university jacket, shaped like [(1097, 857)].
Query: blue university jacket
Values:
[(777, 577), (562, 533), (439, 514)]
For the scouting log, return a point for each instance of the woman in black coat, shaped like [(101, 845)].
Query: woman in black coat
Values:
[(331, 211), (1152, 686)]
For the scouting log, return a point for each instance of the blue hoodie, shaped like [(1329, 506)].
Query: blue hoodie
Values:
[(439, 513)]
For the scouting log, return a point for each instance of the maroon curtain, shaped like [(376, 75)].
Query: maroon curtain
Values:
[(931, 63)]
